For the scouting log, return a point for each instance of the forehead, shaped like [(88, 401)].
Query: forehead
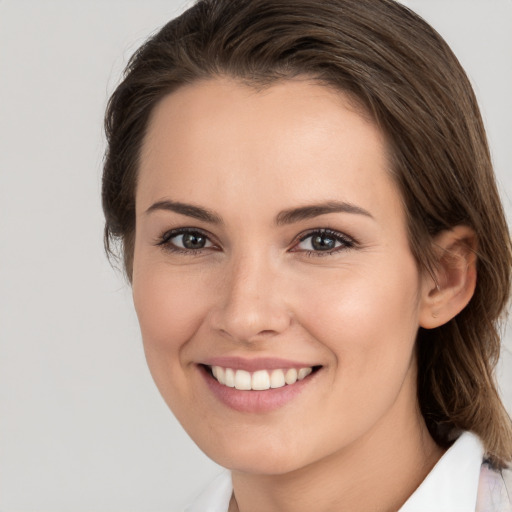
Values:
[(295, 141)]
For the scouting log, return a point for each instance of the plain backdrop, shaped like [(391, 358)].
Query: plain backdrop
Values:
[(82, 426)]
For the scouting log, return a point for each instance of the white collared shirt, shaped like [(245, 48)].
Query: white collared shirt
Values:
[(452, 485), (457, 483)]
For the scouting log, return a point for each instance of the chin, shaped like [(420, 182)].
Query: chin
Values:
[(261, 464), (264, 458)]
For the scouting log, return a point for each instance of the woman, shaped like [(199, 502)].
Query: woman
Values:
[(308, 216)]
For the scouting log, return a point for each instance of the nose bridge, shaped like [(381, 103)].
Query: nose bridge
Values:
[(252, 304), (251, 283)]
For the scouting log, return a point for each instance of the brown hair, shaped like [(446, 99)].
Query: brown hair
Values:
[(404, 74)]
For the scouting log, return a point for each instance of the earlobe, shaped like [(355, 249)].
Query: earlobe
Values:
[(447, 293)]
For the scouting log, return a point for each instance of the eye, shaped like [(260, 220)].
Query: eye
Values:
[(323, 241), (185, 240)]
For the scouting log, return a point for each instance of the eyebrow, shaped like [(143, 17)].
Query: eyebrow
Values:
[(196, 212), (308, 212), (285, 217)]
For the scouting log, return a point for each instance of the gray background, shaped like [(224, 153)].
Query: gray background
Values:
[(82, 427)]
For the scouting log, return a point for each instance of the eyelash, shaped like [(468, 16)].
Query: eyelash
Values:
[(164, 241), (347, 242)]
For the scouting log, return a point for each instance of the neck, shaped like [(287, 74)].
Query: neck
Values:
[(377, 472)]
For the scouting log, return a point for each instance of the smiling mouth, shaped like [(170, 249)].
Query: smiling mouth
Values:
[(260, 380)]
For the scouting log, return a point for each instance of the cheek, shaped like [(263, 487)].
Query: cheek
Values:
[(170, 306), (367, 317), (368, 324)]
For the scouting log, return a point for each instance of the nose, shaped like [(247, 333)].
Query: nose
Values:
[(251, 304)]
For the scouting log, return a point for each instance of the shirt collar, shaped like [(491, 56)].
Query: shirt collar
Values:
[(216, 497), (452, 484)]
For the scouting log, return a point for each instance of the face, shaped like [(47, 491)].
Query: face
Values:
[(271, 250)]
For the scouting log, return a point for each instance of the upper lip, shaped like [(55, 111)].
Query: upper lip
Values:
[(255, 364)]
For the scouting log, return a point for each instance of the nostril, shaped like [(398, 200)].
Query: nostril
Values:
[(267, 332)]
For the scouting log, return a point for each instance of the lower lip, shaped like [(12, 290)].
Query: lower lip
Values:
[(255, 401)]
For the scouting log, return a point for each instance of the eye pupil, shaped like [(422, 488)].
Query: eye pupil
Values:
[(323, 242), (193, 241)]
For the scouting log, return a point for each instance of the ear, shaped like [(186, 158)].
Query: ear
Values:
[(448, 292)]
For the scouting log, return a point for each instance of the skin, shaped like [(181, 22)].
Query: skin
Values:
[(255, 291)]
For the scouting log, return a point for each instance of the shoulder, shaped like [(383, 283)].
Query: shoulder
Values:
[(494, 490)]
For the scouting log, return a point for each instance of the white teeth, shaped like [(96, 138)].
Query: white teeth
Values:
[(218, 373), (277, 379), (291, 376), (260, 380), (242, 380), (303, 373), (229, 378)]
